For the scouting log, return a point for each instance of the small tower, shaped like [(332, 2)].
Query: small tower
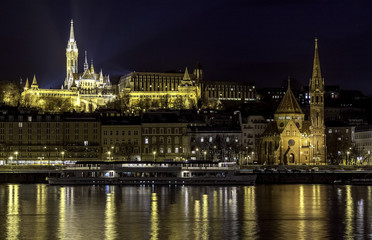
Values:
[(186, 81), (34, 84), (198, 72), (91, 67), (317, 128), (86, 66), (72, 53), (27, 85)]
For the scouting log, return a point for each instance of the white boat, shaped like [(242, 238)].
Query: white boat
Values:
[(143, 173)]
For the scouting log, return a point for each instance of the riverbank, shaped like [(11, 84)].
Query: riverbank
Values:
[(291, 175)]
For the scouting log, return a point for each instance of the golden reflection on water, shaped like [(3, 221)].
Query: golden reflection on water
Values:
[(110, 215), (197, 219), (301, 211), (250, 215), (349, 212), (249, 212), (62, 214), (41, 209), (205, 220), (12, 220), (154, 217)]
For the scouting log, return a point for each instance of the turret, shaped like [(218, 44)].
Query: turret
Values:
[(186, 81), (91, 67), (86, 66), (27, 85), (198, 72), (34, 83)]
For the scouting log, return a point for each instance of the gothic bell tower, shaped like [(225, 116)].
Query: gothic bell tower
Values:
[(72, 54), (317, 128)]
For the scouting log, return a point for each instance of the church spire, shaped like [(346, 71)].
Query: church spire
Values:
[(316, 79), (72, 36), (72, 53), (86, 66)]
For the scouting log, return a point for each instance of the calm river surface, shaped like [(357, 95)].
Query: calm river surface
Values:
[(185, 212)]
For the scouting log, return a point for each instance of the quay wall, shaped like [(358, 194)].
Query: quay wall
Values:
[(262, 178)]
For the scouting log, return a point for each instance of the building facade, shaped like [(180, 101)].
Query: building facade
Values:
[(363, 143), (29, 136), (121, 139), (252, 129), (215, 143), (164, 137)]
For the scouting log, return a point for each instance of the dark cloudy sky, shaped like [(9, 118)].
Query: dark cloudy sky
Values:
[(238, 40)]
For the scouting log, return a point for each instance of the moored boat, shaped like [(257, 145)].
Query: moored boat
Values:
[(157, 173)]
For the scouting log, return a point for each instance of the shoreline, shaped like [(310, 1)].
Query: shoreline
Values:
[(19, 176)]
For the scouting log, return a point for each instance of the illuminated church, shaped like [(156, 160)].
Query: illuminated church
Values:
[(85, 91), (292, 140)]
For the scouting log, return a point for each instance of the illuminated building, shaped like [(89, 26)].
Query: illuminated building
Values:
[(180, 90), (162, 90), (229, 91), (81, 91), (289, 139)]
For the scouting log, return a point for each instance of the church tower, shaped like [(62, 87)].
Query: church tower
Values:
[(71, 56), (317, 128)]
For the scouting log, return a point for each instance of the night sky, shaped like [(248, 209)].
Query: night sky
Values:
[(260, 41)]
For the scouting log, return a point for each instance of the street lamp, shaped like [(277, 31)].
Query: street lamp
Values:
[(347, 159), (63, 154), (16, 153), (154, 152), (109, 153), (205, 155)]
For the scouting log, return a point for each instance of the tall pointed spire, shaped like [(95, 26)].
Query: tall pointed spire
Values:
[(186, 76), (316, 80), (27, 85), (317, 127), (34, 83), (91, 67), (86, 66), (72, 36), (72, 53)]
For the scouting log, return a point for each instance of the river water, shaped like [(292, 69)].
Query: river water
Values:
[(185, 212)]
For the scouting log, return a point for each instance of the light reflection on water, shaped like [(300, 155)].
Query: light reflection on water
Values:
[(152, 212)]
